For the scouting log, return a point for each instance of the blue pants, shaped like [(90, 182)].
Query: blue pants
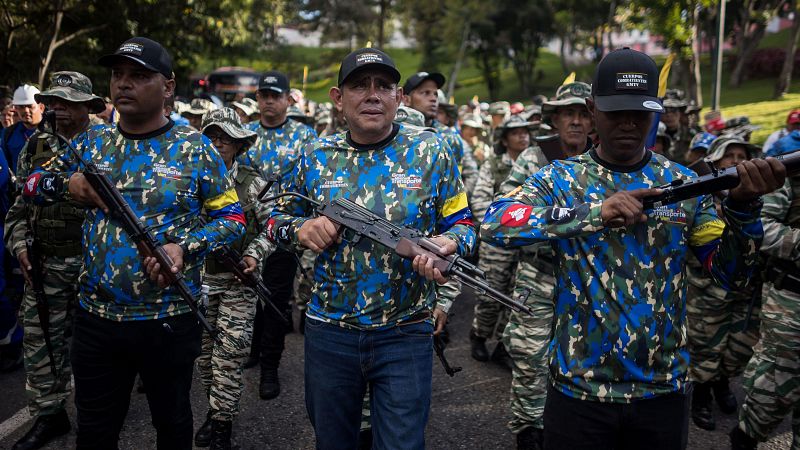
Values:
[(395, 364)]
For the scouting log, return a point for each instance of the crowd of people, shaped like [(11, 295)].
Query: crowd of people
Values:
[(640, 315)]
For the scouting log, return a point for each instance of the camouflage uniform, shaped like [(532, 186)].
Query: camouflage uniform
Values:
[(372, 301), (57, 237), (276, 150), (772, 377), (719, 345), (231, 306), (526, 337), (185, 168), (499, 264), (467, 165), (619, 331)]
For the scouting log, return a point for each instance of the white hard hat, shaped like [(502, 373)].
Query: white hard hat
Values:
[(24, 95)]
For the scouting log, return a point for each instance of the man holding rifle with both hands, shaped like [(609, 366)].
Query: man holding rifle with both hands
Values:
[(618, 357), (129, 320)]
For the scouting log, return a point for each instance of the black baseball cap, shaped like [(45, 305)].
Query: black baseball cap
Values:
[(143, 51), (273, 81), (415, 80), (367, 58), (626, 80)]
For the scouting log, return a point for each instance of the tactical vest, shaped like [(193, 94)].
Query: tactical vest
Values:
[(245, 176), (59, 225), (793, 216), (500, 171)]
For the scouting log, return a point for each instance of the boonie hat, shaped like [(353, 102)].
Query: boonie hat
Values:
[(569, 94), (72, 87), (227, 120), (143, 51), (273, 81), (626, 80), (367, 58), (418, 78), (499, 108), (200, 106), (717, 149), (25, 95)]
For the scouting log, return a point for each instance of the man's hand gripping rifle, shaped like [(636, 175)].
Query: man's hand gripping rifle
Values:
[(715, 181), (407, 242), (119, 210)]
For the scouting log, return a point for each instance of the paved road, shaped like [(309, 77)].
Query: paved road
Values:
[(468, 411)]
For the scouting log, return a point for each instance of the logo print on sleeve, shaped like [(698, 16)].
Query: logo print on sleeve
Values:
[(516, 215)]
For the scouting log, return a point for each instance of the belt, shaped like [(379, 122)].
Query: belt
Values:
[(783, 280)]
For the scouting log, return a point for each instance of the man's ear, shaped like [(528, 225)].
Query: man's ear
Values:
[(335, 94), (169, 88)]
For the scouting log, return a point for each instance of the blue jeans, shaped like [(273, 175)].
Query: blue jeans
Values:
[(395, 364)]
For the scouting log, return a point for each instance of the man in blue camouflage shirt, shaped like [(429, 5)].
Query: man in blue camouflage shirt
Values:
[(618, 357), (128, 320), (371, 316), (279, 143)]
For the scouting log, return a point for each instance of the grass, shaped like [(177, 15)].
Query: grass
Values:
[(770, 114)]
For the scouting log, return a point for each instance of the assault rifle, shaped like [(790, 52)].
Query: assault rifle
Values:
[(233, 261), (42, 310), (406, 242), (717, 180), (119, 210), (438, 347)]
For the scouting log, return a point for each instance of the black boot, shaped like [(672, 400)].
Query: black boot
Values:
[(741, 441), (530, 439), (45, 429), (500, 356), (701, 407), (203, 436), (269, 387), (478, 345), (724, 397), (221, 434)]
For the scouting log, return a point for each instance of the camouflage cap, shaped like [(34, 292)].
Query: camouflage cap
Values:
[(251, 103), (441, 98), (323, 117), (72, 87), (200, 106), (499, 108), (409, 116), (720, 144), (675, 98), (228, 121)]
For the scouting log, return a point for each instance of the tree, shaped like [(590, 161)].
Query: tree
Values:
[(785, 78), (750, 18)]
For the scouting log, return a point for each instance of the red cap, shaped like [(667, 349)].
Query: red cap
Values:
[(715, 125), (794, 117), (517, 108)]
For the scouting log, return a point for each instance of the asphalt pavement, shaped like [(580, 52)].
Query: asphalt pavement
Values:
[(468, 411)]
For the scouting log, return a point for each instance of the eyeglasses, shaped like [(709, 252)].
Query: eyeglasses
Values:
[(223, 139)]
